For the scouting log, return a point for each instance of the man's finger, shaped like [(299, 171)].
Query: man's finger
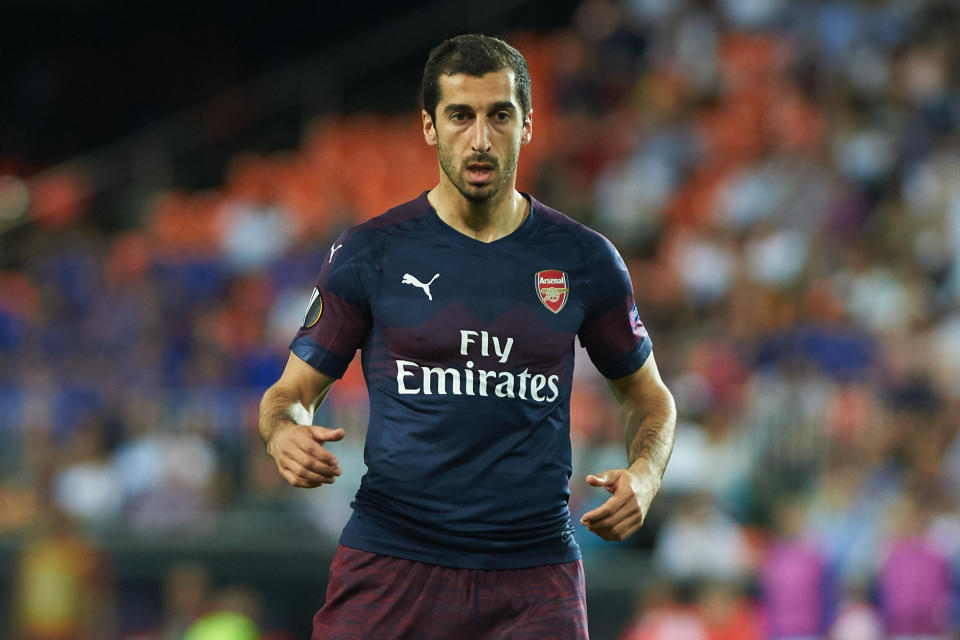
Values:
[(314, 466), (302, 440), (310, 476), (596, 480), (323, 434), (628, 525), (607, 509), (609, 480), (626, 516), (605, 479), (318, 459), (621, 530), (292, 478)]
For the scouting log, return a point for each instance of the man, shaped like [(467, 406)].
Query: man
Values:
[(465, 303)]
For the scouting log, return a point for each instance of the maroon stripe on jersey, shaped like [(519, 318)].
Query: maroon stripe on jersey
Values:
[(341, 326), (376, 596), (611, 343)]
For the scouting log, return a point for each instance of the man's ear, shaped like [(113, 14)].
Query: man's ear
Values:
[(527, 128), (429, 131)]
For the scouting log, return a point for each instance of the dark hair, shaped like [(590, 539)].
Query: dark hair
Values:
[(475, 55)]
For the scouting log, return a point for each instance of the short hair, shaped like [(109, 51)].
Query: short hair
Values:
[(475, 55)]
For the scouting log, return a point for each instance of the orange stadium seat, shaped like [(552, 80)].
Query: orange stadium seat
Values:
[(182, 222), (18, 294)]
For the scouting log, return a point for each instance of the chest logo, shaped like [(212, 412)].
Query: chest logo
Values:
[(553, 288), (409, 279)]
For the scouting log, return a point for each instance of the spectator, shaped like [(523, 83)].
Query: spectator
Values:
[(915, 584), (87, 487), (666, 613), (698, 541), (857, 618), (794, 584), (62, 585)]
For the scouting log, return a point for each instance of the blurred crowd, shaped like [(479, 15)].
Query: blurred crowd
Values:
[(783, 180)]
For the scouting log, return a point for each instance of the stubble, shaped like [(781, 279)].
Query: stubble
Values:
[(455, 172)]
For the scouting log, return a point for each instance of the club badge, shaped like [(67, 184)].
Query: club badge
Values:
[(314, 310), (552, 288)]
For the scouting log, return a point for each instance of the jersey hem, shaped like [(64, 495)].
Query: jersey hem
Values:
[(373, 540), (496, 561)]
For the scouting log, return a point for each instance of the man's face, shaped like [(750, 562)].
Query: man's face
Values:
[(478, 132)]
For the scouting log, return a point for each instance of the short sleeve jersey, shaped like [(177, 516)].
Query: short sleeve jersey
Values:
[(467, 351)]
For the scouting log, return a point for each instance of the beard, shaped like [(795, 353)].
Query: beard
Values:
[(476, 194)]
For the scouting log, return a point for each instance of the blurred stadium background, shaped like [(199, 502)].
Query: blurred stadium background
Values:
[(783, 179)]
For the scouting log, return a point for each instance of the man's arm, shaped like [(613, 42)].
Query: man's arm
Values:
[(286, 414), (650, 417)]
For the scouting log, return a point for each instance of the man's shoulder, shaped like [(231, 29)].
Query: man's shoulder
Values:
[(371, 232), (398, 216), (557, 221)]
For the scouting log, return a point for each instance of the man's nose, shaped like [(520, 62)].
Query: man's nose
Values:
[(481, 141)]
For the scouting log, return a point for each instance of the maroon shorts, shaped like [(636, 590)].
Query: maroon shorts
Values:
[(374, 596)]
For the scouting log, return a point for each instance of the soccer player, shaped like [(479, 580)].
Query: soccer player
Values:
[(465, 303)]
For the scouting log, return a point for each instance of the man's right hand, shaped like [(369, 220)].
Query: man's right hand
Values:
[(301, 457)]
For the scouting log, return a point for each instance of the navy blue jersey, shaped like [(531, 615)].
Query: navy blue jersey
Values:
[(467, 352)]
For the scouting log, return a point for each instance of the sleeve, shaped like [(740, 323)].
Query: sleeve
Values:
[(338, 318), (612, 333)]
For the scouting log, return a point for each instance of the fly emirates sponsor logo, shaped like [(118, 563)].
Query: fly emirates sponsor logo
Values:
[(413, 378)]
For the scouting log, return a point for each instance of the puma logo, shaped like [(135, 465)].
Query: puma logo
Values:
[(409, 279)]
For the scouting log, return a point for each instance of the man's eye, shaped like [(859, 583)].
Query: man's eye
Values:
[(458, 116), (502, 116)]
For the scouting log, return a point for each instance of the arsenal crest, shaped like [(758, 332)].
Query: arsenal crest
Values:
[(552, 288)]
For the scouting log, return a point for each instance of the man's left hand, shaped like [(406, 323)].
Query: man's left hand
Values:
[(623, 513)]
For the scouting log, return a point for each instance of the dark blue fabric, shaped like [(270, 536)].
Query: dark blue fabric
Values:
[(469, 372)]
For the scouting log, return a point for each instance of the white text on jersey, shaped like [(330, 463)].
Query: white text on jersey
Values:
[(477, 382), (466, 339), (471, 382)]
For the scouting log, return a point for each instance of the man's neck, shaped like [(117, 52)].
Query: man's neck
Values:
[(485, 221)]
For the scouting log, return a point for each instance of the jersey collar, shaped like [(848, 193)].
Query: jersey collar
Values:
[(477, 247)]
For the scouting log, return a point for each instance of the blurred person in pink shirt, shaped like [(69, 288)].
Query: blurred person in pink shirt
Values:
[(914, 578), (793, 577)]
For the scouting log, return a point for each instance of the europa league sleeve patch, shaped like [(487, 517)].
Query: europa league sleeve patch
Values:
[(314, 310)]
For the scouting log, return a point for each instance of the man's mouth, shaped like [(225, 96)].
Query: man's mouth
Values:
[(479, 172)]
